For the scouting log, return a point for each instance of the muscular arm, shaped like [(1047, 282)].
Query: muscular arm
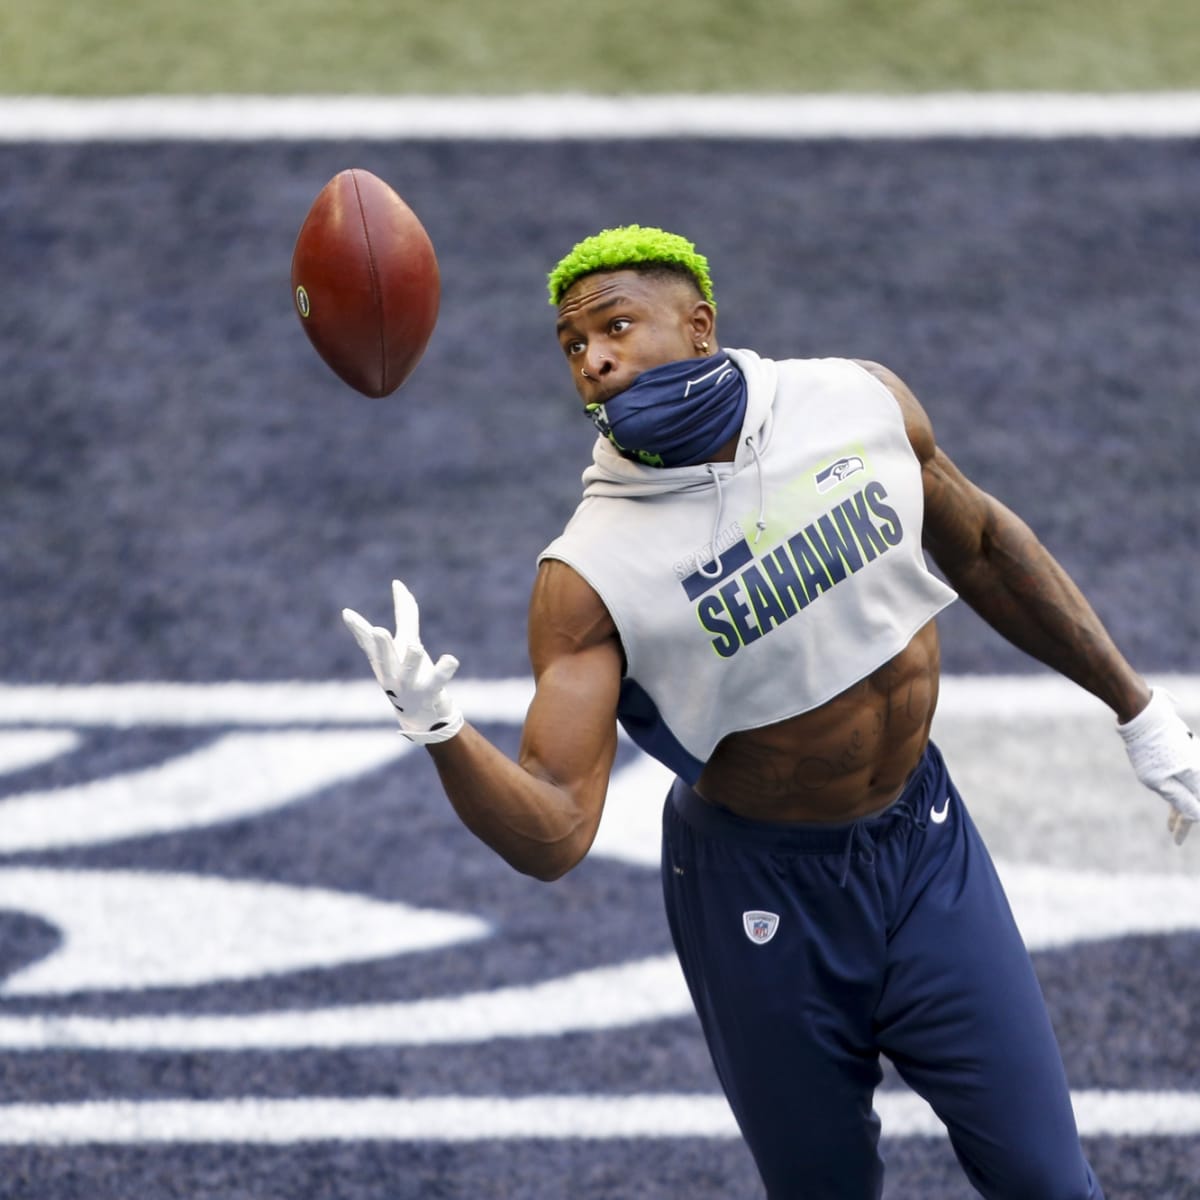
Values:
[(541, 812), (998, 566)]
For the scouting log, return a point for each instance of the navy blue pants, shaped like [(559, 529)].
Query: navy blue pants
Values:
[(811, 949)]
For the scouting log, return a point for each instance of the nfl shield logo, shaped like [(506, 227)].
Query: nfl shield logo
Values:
[(760, 926)]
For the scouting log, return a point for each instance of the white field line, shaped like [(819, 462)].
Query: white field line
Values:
[(600, 998), (574, 116), (271, 705), (476, 1118), (260, 705)]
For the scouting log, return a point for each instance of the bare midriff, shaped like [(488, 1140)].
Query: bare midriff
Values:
[(847, 759)]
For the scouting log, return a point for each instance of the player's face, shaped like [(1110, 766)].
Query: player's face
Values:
[(614, 325)]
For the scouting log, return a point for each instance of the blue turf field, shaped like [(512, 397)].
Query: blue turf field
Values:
[(189, 497)]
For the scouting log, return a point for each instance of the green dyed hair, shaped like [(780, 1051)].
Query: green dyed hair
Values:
[(630, 246)]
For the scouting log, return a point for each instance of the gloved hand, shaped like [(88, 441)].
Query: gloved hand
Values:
[(415, 684), (1166, 757)]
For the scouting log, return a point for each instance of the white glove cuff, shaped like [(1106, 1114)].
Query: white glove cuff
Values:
[(442, 733), (1158, 740), (1158, 709)]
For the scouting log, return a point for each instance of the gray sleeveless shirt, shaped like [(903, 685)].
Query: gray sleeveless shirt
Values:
[(751, 591)]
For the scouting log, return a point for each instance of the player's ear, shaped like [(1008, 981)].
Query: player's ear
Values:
[(702, 322)]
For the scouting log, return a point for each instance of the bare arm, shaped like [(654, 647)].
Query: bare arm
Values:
[(998, 566), (541, 812)]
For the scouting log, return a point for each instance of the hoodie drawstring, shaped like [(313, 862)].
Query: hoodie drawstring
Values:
[(759, 525), (715, 573)]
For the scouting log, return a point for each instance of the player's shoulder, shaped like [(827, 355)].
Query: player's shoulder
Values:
[(566, 614), (885, 375), (917, 424), (849, 371)]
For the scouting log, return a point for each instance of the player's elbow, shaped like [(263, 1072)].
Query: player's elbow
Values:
[(548, 872), (551, 863), (551, 859), (556, 837)]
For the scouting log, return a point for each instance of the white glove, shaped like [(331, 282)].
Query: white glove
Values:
[(415, 684), (1166, 757)]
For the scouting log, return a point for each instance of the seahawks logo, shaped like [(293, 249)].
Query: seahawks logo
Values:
[(835, 473)]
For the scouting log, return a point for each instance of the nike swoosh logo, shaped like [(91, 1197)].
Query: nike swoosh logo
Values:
[(938, 815)]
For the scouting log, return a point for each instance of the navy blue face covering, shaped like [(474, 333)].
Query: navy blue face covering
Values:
[(676, 415)]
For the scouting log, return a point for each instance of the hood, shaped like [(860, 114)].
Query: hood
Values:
[(611, 474)]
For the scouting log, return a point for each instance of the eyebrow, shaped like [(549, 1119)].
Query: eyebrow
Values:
[(602, 306)]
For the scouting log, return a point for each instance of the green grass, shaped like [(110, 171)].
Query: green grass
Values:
[(117, 47)]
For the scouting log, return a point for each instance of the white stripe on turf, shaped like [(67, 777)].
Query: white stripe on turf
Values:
[(242, 118), (360, 702), (599, 998), (476, 1118)]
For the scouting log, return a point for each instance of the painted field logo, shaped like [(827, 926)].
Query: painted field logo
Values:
[(760, 926)]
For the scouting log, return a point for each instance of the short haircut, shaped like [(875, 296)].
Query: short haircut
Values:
[(631, 247)]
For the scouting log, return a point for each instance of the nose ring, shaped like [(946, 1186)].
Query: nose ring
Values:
[(583, 372)]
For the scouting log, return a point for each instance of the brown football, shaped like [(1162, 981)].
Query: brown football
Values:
[(365, 282)]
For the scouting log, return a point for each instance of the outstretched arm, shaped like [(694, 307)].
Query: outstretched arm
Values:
[(997, 565), (541, 812)]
